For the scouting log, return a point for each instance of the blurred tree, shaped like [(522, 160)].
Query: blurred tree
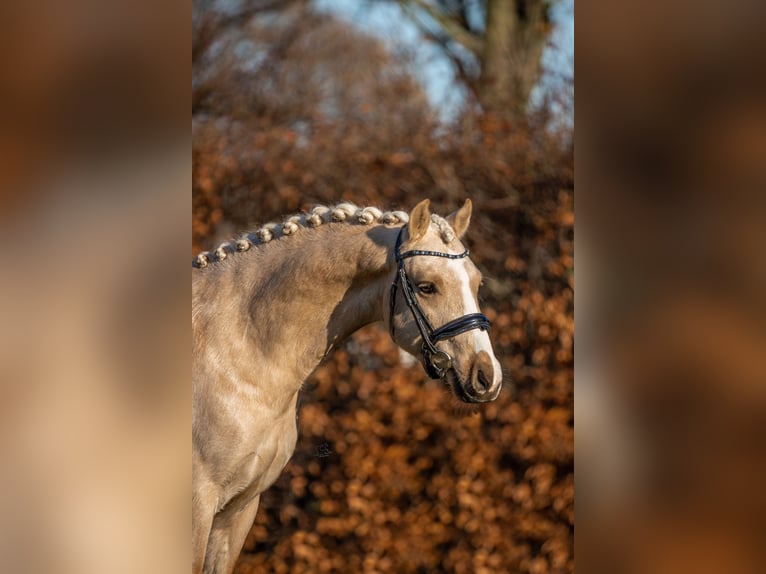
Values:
[(292, 106), (281, 62), (496, 46), (214, 27)]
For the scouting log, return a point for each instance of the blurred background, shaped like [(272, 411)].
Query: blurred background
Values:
[(298, 103), (670, 368)]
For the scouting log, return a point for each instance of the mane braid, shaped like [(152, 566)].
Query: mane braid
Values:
[(446, 232), (319, 215)]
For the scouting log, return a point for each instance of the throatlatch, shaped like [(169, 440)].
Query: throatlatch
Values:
[(437, 362)]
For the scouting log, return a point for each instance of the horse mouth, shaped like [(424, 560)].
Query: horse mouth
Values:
[(461, 388)]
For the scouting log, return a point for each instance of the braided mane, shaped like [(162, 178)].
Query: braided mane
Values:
[(319, 215)]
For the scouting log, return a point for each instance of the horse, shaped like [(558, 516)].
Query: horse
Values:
[(270, 306)]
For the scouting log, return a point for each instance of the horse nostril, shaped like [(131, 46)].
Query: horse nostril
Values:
[(482, 382)]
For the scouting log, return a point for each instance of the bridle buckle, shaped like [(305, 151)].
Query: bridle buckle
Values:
[(440, 361)]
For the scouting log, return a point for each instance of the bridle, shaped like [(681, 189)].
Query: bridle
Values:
[(437, 362)]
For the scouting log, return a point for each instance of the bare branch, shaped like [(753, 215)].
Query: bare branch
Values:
[(450, 24)]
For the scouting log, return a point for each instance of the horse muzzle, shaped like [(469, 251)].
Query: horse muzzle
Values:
[(482, 385)]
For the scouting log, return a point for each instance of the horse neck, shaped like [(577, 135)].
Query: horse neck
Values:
[(310, 291)]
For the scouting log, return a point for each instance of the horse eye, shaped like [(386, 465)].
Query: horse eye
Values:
[(427, 288)]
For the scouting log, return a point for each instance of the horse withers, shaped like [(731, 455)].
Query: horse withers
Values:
[(268, 307)]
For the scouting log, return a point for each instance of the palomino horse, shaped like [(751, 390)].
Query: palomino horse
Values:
[(267, 308)]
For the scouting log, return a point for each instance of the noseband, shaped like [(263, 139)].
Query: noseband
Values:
[(436, 361)]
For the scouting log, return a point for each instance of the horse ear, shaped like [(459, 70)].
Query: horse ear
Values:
[(420, 220), (460, 219)]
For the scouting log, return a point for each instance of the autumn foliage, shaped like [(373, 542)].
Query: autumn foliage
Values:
[(392, 474)]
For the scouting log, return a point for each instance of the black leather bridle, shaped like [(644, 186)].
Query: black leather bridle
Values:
[(437, 362)]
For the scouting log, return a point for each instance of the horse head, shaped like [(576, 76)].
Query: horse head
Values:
[(433, 311)]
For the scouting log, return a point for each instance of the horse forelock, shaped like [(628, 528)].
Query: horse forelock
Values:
[(320, 215), (446, 233)]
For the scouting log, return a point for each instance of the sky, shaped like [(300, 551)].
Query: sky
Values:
[(386, 21)]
